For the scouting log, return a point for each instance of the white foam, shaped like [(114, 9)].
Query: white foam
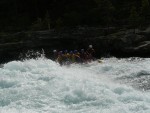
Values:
[(35, 86)]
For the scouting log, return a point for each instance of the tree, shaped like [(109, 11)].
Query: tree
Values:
[(36, 8), (134, 18), (72, 19), (37, 25), (145, 12), (145, 7), (47, 20), (106, 11), (59, 23)]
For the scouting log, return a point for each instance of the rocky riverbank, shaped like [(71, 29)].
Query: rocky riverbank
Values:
[(107, 42)]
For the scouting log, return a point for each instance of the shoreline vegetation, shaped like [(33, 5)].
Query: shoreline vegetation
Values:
[(36, 15)]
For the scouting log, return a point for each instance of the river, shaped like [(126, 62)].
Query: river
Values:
[(43, 86)]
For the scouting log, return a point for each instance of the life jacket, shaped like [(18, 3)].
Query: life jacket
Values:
[(91, 54), (83, 55), (91, 51), (72, 58), (66, 57), (77, 57), (78, 54), (55, 56), (60, 59)]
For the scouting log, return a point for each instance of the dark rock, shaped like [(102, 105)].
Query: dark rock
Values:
[(120, 43)]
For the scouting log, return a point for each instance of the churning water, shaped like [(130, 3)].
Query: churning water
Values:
[(42, 86)]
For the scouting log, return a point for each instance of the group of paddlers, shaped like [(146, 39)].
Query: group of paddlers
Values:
[(82, 56)]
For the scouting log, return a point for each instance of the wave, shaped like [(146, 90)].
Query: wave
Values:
[(41, 85)]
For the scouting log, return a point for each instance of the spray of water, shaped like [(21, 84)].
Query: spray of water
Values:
[(43, 86)]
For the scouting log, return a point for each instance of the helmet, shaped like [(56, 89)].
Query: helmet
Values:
[(71, 52), (75, 51), (82, 50), (90, 46), (54, 51), (60, 53), (66, 51)]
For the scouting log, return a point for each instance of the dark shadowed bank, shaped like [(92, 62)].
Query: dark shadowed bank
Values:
[(106, 42)]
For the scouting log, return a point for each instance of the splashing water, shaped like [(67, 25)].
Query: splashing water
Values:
[(43, 86)]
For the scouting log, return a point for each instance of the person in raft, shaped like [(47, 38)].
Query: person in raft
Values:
[(91, 53), (55, 55)]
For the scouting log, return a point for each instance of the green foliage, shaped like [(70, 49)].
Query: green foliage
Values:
[(134, 18), (59, 23), (17, 15), (72, 18), (145, 12), (37, 25), (46, 21), (41, 24), (145, 7), (105, 10)]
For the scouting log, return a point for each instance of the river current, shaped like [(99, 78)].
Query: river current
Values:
[(43, 86)]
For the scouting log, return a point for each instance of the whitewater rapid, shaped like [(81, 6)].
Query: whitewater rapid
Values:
[(43, 86)]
